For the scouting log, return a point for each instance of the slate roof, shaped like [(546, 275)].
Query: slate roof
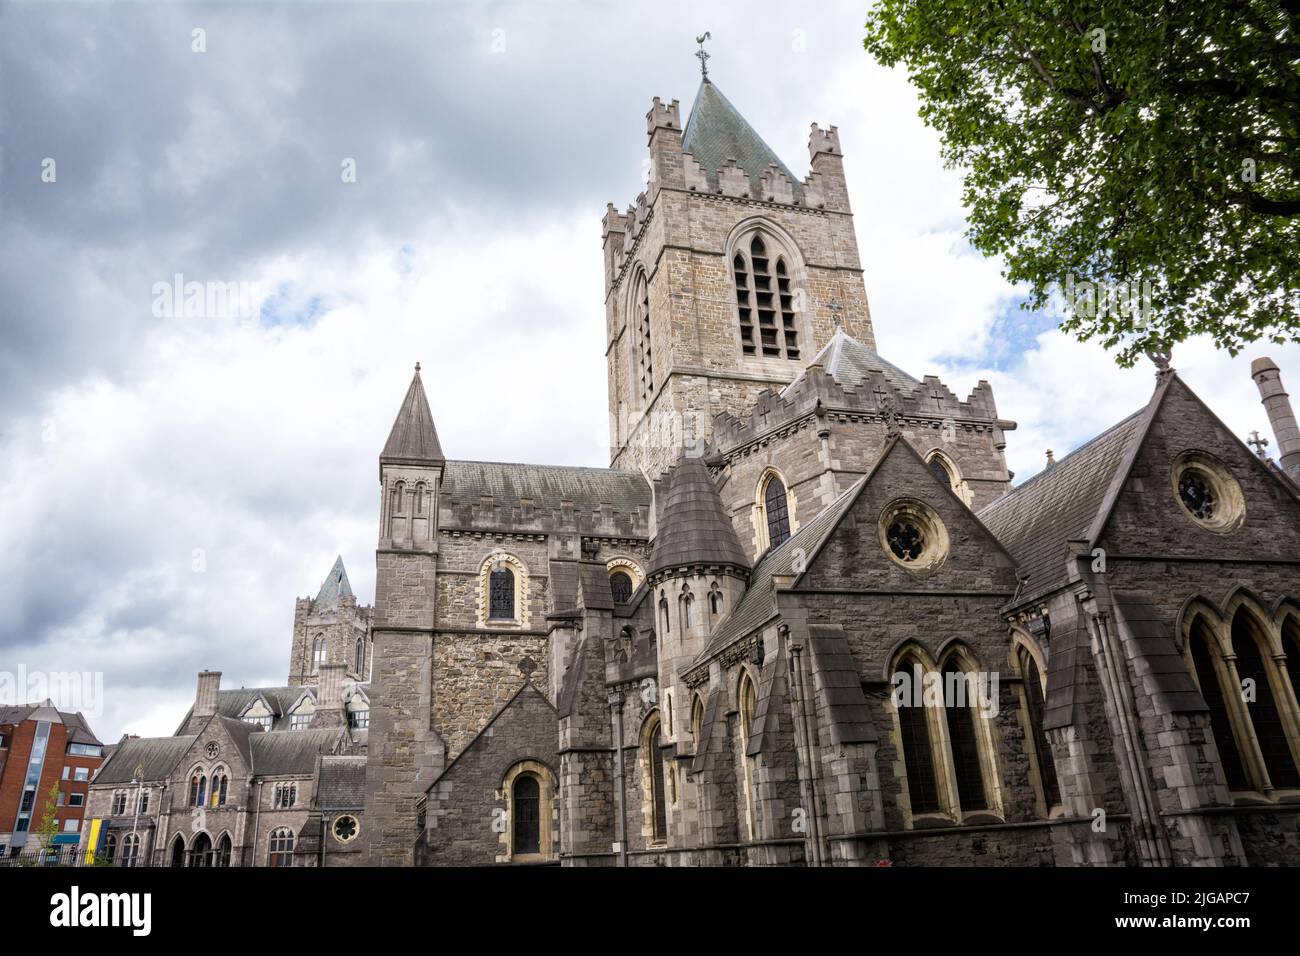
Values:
[(342, 784), (546, 486), (156, 756), (1059, 504), (716, 132), (695, 528), (79, 731), (413, 437), (839, 686), (292, 752), (758, 605), (335, 586), (848, 361)]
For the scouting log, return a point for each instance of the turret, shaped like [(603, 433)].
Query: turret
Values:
[(1278, 405)]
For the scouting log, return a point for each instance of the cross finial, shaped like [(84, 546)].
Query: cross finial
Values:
[(1259, 444), (702, 54), (836, 309)]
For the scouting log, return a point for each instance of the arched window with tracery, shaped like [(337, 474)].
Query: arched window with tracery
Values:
[(130, 854), (1034, 689), (914, 731), (219, 786), (776, 510), (201, 851), (501, 589), (527, 799), (958, 710), (655, 797), (110, 849), (1204, 654), (222, 856), (198, 788), (940, 471), (280, 848), (620, 586), (178, 851), (765, 299), (640, 326), (1263, 710)]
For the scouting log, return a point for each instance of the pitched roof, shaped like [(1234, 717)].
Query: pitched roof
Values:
[(1059, 504), (342, 783), (695, 528), (156, 757), (848, 361), (291, 752), (758, 605), (335, 586), (413, 437), (545, 486), (716, 132), (79, 731)]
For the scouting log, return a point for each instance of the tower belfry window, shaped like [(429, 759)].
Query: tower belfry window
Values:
[(645, 364), (765, 303)]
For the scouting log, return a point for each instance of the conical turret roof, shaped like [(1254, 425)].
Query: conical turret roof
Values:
[(695, 528), (336, 586), (413, 437)]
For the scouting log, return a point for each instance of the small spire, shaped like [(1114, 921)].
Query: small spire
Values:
[(702, 55), (1051, 459), (417, 368)]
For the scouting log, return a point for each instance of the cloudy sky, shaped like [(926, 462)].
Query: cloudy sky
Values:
[(170, 483)]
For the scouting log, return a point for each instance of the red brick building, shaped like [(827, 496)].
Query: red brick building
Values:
[(42, 748)]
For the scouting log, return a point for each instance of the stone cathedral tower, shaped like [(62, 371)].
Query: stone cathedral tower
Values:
[(724, 237)]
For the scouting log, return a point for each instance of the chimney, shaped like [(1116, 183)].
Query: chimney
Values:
[(329, 696), (205, 699), (1274, 398)]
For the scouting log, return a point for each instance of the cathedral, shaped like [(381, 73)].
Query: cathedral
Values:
[(803, 618)]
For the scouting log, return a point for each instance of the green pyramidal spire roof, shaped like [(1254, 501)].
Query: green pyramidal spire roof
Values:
[(716, 132), (413, 438)]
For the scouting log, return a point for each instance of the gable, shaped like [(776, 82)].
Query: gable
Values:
[(853, 556), (1145, 517)]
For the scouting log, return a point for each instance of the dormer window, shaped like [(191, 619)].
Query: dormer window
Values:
[(765, 300)]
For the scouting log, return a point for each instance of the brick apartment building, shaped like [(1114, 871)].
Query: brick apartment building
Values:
[(42, 747)]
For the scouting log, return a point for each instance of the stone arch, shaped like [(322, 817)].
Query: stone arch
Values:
[(500, 559), (546, 825), (654, 786), (762, 520), (782, 253)]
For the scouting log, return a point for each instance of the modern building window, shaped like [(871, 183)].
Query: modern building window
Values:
[(526, 804), (81, 774), (501, 590), (76, 799), (280, 851)]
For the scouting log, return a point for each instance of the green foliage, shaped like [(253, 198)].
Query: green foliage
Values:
[(1120, 143), (49, 824)]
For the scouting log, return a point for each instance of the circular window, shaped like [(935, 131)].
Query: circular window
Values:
[(346, 828), (913, 535), (1207, 492)]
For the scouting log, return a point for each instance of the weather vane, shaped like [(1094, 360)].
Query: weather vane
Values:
[(704, 67)]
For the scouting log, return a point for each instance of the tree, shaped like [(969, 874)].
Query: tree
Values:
[(1108, 146)]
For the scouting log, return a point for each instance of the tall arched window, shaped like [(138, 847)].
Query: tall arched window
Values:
[(663, 614), (360, 661), (280, 849), (658, 805), (697, 723), (640, 326), (1263, 710), (222, 856), (178, 851), (130, 849), (961, 735), (765, 301), (1204, 655), (1291, 647), (526, 805), (318, 653), (198, 788), (914, 729), (688, 605), (1034, 687), (776, 512), (220, 782), (620, 586), (419, 499), (501, 587), (201, 851), (715, 599), (940, 471), (399, 497), (747, 703), (110, 849)]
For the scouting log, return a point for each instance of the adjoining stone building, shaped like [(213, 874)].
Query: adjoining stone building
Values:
[(804, 618)]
